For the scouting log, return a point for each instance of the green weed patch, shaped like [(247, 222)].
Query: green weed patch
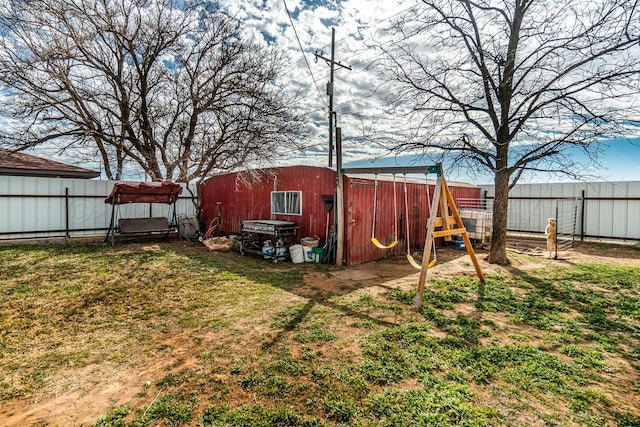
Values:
[(236, 341)]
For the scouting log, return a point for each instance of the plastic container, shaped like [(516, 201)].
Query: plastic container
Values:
[(459, 243), (308, 253), (318, 254), (297, 254), (311, 242)]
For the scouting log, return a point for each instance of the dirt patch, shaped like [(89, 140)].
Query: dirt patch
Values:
[(78, 395)]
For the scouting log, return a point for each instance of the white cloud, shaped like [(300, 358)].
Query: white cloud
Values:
[(359, 105), (358, 102), (355, 100)]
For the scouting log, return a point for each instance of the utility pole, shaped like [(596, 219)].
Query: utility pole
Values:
[(339, 199), (332, 63), (338, 223)]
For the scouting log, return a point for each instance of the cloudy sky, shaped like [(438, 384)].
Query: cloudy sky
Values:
[(302, 28)]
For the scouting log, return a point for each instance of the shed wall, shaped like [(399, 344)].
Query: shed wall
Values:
[(244, 197), (359, 204)]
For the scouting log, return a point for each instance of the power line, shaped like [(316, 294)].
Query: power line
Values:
[(375, 24), (302, 50)]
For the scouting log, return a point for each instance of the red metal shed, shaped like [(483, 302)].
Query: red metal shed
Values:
[(245, 196)]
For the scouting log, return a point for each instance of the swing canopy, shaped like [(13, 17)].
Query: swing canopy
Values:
[(144, 192)]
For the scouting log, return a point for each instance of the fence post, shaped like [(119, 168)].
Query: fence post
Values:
[(557, 229), (66, 212), (582, 210)]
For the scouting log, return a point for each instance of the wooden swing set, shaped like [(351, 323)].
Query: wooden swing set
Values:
[(447, 225)]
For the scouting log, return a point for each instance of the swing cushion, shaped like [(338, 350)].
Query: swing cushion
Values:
[(144, 225)]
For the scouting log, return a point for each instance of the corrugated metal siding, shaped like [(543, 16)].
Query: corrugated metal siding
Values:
[(30, 204), (530, 206), (611, 209), (244, 199), (612, 218), (359, 202)]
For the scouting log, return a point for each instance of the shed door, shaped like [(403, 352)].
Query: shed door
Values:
[(359, 213)]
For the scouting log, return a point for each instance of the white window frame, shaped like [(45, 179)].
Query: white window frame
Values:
[(289, 203)]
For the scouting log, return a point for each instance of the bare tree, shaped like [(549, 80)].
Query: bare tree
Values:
[(170, 85), (513, 86)]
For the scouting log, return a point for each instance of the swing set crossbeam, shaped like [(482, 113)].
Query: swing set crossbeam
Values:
[(440, 221), (436, 169)]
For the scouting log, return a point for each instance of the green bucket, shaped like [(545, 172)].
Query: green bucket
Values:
[(317, 254)]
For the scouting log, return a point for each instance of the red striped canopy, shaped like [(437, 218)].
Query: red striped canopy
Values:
[(144, 192)]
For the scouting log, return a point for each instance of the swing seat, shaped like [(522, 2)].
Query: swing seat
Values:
[(144, 225), (381, 246), (417, 266)]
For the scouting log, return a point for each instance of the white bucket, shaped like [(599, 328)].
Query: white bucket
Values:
[(308, 253), (297, 254)]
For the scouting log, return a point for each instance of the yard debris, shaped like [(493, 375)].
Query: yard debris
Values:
[(219, 244)]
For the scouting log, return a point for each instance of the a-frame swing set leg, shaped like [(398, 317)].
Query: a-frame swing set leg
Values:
[(442, 196), (463, 231), (426, 254)]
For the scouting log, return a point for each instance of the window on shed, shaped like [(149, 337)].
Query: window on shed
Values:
[(286, 202)]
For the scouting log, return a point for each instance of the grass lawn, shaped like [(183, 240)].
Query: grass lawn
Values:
[(146, 334)]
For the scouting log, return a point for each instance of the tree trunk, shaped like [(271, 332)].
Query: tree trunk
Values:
[(498, 251)]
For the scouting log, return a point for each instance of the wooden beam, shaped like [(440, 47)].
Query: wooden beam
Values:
[(426, 253), (449, 233), (444, 211), (443, 197), (439, 221), (465, 237), (394, 170)]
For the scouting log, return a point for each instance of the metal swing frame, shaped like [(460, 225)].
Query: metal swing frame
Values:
[(165, 192)]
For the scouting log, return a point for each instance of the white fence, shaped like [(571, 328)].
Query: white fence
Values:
[(60, 207), (601, 210)]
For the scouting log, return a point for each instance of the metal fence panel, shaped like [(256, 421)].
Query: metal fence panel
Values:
[(609, 210), (49, 207), (58, 207)]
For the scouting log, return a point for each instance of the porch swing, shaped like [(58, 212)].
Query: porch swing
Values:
[(410, 258), (374, 239), (144, 192)]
